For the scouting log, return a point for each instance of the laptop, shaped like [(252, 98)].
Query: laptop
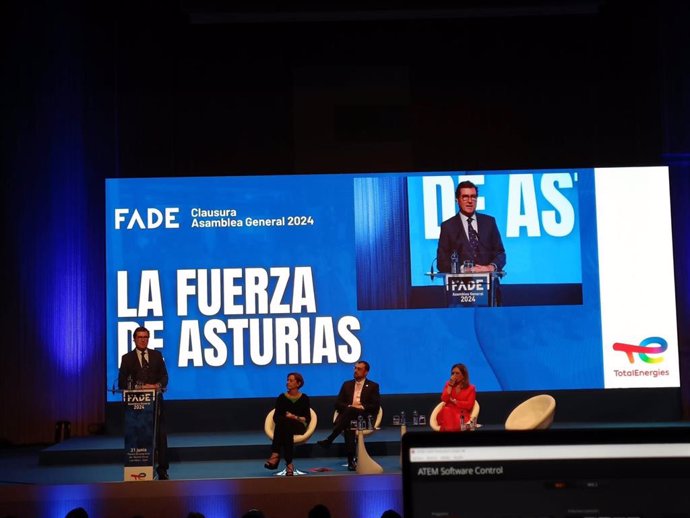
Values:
[(557, 473)]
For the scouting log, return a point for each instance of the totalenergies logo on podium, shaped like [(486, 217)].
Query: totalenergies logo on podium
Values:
[(652, 346)]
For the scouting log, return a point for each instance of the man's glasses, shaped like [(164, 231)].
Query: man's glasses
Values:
[(465, 197)]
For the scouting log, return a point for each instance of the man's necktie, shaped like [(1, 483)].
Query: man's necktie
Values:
[(474, 238), (144, 362)]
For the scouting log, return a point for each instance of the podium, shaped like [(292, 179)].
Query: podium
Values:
[(472, 289), (141, 424)]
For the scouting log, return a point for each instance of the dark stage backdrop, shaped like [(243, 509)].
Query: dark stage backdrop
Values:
[(139, 90)]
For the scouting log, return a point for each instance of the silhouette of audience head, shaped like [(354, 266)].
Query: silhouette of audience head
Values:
[(390, 513), (254, 513), (319, 511), (77, 512), (194, 514)]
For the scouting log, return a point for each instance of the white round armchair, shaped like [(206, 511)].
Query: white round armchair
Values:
[(536, 413)]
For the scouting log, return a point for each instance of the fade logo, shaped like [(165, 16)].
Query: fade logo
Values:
[(150, 219), (462, 284), (139, 397), (138, 476), (654, 345)]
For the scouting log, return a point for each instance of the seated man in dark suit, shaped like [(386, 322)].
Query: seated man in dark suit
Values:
[(145, 368), (359, 396)]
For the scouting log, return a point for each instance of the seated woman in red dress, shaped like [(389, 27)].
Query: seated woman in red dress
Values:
[(458, 396)]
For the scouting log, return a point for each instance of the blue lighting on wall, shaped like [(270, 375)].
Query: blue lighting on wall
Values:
[(213, 506), (59, 233), (59, 500), (382, 493)]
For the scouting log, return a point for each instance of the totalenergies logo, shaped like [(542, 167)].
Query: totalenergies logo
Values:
[(653, 345)]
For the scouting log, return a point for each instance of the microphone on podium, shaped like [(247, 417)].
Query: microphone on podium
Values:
[(432, 273)]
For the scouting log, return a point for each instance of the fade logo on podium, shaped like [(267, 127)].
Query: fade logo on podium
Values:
[(138, 400), (650, 351), (468, 289)]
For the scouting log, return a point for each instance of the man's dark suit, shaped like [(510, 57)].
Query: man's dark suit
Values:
[(155, 374), (454, 238), (370, 399)]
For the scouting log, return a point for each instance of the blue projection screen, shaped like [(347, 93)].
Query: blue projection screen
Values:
[(241, 280)]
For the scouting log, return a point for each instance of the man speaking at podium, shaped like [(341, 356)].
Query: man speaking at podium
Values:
[(145, 368), (474, 237)]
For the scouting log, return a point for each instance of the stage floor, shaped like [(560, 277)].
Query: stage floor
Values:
[(200, 456), (30, 487), (218, 489), (218, 474)]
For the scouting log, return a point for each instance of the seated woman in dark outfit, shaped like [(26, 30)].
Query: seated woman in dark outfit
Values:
[(292, 415)]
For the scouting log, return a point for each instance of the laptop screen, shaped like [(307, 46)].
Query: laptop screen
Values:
[(592, 473)]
